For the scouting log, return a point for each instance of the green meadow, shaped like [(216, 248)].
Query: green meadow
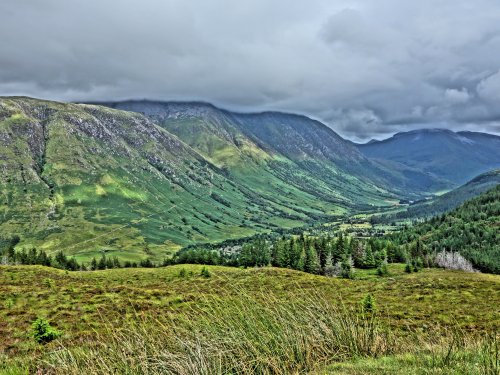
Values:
[(178, 319)]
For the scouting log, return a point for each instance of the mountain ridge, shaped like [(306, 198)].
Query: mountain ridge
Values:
[(455, 156), (89, 179), (265, 128), (423, 131)]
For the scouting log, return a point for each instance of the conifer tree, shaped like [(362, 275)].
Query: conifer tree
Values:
[(93, 264)]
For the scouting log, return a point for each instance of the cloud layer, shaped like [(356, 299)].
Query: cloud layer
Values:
[(367, 68)]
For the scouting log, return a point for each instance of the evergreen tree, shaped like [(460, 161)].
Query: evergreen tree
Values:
[(369, 260), (310, 260), (93, 264), (102, 263), (346, 268)]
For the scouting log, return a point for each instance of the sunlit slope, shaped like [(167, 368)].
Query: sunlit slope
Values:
[(85, 178), (302, 152)]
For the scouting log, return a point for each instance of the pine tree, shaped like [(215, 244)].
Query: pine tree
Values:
[(346, 268), (301, 261), (310, 260), (93, 264), (322, 253), (369, 260), (109, 263), (282, 254), (102, 263), (61, 260), (329, 267), (358, 252)]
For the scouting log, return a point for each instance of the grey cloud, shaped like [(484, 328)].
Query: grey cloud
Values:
[(457, 96), (367, 68)]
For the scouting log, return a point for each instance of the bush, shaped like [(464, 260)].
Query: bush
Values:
[(48, 282), (368, 304), (182, 272), (205, 272), (382, 269), (346, 268), (43, 332)]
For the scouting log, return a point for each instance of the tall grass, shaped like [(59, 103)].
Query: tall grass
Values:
[(246, 334), (470, 354), (264, 333)]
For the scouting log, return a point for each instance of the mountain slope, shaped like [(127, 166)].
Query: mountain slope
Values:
[(296, 149), (457, 157), (448, 201), (72, 173), (86, 178)]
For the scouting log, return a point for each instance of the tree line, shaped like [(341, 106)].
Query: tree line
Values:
[(9, 255), (323, 255)]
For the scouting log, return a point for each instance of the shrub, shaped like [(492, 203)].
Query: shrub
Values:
[(368, 304), (48, 282), (182, 272), (382, 269), (346, 268), (205, 272), (43, 332)]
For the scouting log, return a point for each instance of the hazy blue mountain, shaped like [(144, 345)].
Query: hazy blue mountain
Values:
[(455, 156)]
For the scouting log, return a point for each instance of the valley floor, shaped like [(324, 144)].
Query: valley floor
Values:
[(127, 309)]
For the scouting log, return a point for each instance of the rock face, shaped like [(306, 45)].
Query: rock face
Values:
[(148, 179)]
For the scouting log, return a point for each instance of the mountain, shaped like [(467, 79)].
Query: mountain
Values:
[(455, 156), (84, 178), (294, 148), (471, 229), (144, 179), (449, 200)]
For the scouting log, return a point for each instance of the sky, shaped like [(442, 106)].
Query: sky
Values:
[(366, 68)]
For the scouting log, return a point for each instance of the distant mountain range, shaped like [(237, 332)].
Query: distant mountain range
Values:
[(454, 156), (141, 178)]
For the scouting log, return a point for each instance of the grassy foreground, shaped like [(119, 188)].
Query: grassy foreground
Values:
[(174, 320)]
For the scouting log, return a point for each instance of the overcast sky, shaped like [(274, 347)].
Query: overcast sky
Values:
[(367, 68)]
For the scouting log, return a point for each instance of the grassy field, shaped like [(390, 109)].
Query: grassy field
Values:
[(173, 312)]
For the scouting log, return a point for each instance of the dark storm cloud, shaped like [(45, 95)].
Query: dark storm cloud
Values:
[(368, 68)]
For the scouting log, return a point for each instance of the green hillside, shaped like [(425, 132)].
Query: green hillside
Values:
[(296, 149), (471, 229), (86, 178), (450, 200)]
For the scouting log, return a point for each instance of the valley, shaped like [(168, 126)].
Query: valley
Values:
[(153, 177), (135, 235), (90, 179)]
